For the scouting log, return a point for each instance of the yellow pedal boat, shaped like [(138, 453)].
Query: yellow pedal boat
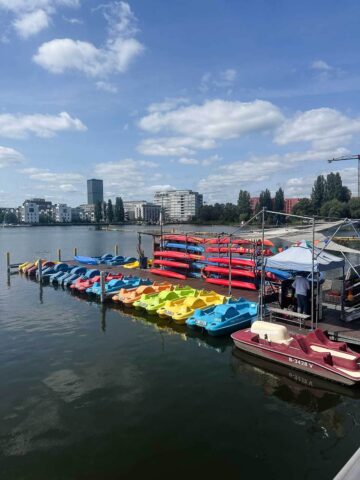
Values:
[(181, 311)]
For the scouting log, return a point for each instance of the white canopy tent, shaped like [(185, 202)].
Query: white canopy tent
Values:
[(299, 258)]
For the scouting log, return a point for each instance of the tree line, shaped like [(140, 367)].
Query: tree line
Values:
[(107, 212), (329, 198)]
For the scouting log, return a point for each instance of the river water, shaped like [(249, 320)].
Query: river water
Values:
[(96, 393)]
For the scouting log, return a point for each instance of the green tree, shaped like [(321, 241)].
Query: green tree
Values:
[(230, 213), (334, 209), (110, 211), (98, 211), (43, 218), (10, 217), (244, 205), (119, 210), (104, 212), (303, 207), (279, 205), (265, 201), (318, 194), (354, 207)]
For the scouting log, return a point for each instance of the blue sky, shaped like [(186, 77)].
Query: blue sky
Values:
[(213, 95)]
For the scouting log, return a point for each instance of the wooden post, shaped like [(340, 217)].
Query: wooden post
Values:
[(116, 249), (8, 261), (102, 286), (59, 254), (40, 270), (75, 251)]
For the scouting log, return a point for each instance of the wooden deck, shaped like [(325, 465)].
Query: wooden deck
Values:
[(336, 329)]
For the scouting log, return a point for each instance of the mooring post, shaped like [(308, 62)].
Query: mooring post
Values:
[(75, 251), (40, 270), (116, 249), (102, 286), (8, 261), (59, 254)]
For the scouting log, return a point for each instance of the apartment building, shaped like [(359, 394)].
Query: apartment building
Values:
[(179, 205)]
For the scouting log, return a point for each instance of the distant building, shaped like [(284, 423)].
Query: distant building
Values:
[(290, 204), (29, 212), (45, 207), (62, 213), (254, 202), (141, 210), (86, 212), (95, 191), (179, 205)]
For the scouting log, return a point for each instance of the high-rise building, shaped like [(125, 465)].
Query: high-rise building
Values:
[(95, 191), (179, 205)]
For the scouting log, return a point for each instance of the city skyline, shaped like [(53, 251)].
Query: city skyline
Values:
[(93, 91)]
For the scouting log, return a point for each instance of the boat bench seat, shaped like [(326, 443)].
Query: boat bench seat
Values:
[(335, 353)]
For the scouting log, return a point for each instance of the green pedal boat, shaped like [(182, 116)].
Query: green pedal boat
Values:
[(152, 302)]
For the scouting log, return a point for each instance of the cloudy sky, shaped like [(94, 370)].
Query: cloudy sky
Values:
[(213, 95)]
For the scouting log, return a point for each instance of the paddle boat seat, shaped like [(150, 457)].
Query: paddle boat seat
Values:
[(271, 332)]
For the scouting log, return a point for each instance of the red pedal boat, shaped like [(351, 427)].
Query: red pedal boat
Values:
[(312, 353)]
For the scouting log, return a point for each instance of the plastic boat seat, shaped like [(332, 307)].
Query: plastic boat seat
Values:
[(271, 332), (334, 353)]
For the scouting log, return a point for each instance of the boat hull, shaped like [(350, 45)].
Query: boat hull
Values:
[(293, 361)]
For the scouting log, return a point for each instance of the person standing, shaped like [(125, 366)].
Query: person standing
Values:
[(301, 286)]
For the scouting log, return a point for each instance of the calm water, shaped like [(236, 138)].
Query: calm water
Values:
[(93, 393)]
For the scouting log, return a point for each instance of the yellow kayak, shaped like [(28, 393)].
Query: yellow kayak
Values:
[(137, 265), (182, 311)]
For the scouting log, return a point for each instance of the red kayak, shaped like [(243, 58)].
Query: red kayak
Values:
[(225, 271), (239, 250), (182, 255), (183, 238), (226, 241), (167, 273), (234, 283), (312, 353), (169, 263), (242, 262)]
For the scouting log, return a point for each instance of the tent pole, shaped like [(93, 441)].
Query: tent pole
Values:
[(312, 274), (230, 259), (262, 263)]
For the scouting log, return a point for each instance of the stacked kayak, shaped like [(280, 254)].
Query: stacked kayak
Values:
[(226, 318), (176, 257), (243, 272)]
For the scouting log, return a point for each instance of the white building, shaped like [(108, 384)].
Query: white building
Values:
[(61, 213), (142, 210), (179, 205), (86, 212), (29, 212)]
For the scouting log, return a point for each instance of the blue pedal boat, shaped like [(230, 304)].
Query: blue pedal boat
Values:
[(225, 319), (71, 275), (116, 284)]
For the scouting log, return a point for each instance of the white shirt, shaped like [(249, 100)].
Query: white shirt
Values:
[(301, 285)]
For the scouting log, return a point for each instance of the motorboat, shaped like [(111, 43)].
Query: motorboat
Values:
[(313, 353), (224, 319)]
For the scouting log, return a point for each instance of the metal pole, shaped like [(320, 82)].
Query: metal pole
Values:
[(102, 286), (40, 270), (59, 254), (262, 264), (8, 261), (230, 270), (343, 293), (75, 251), (358, 176), (312, 275), (116, 249)]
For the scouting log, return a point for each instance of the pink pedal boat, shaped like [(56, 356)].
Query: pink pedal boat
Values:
[(312, 353)]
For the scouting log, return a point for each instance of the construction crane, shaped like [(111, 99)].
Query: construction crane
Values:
[(349, 157)]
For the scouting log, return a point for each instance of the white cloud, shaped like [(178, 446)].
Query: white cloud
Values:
[(215, 119), (10, 157), (224, 79), (167, 104), (188, 161), (65, 54), (323, 127), (33, 16), (20, 125), (229, 75), (106, 87), (31, 23), (129, 178), (320, 65), (55, 178), (173, 146)]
